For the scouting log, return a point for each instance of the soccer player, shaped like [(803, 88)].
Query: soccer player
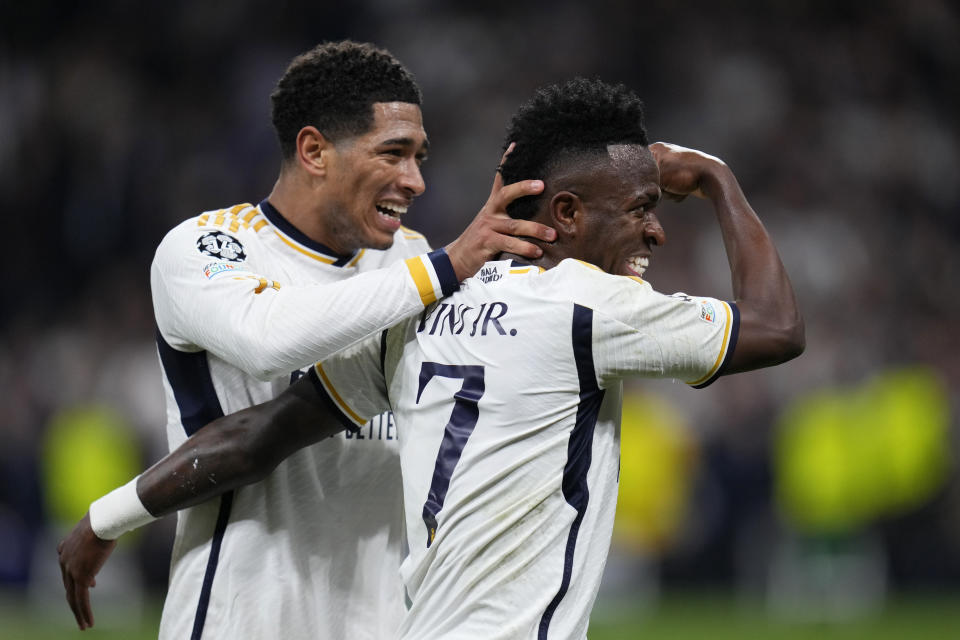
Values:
[(247, 296), (507, 393)]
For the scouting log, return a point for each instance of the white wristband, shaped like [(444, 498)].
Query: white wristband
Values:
[(118, 512)]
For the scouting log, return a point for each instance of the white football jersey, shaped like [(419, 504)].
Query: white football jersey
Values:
[(243, 301), (507, 396)]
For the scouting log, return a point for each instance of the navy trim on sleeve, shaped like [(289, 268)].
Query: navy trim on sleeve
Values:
[(734, 334), (445, 273), (342, 418)]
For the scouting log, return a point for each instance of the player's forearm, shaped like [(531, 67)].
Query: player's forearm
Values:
[(215, 460), (772, 328), (236, 450), (228, 453)]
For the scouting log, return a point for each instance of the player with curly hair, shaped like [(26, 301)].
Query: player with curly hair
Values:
[(561, 123), (246, 298), (507, 392)]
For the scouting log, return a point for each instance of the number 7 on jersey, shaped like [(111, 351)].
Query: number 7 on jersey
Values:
[(463, 419)]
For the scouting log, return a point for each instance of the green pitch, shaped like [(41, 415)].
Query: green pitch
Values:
[(721, 617), (676, 617)]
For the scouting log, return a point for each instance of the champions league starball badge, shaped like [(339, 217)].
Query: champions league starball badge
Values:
[(221, 245)]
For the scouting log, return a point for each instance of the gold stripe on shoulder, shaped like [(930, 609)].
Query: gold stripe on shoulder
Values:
[(410, 234), (229, 217), (587, 264)]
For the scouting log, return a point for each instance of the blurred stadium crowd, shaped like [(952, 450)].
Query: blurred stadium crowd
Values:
[(837, 470)]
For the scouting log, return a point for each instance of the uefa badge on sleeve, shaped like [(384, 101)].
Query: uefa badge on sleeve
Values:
[(221, 245)]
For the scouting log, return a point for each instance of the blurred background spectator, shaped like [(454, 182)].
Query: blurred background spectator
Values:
[(832, 475)]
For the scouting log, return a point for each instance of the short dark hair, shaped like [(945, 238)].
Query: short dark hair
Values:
[(565, 120), (333, 87)]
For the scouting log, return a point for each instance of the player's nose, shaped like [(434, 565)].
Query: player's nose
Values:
[(411, 180), (653, 233)]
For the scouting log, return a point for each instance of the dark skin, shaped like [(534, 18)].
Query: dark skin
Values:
[(234, 452), (603, 210), (224, 455)]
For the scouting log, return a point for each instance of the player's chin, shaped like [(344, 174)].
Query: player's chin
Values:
[(380, 240)]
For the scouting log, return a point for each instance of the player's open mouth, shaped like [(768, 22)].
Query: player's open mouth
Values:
[(638, 265), (391, 209)]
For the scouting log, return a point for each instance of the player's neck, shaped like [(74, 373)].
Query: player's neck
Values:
[(546, 261), (296, 206)]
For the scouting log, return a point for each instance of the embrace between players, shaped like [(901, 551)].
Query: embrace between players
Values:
[(492, 515)]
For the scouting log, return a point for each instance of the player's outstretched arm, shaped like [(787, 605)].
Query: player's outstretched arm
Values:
[(267, 329), (771, 327), (493, 231), (229, 452)]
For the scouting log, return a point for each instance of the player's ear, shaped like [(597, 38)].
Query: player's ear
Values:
[(566, 210), (313, 150)]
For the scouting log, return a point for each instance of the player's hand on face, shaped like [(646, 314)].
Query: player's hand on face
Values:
[(493, 231), (685, 171), (82, 554)]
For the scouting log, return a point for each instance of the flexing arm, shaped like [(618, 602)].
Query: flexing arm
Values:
[(771, 328), (230, 452)]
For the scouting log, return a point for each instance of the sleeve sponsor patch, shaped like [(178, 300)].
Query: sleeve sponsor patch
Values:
[(707, 312), (214, 269), (222, 246)]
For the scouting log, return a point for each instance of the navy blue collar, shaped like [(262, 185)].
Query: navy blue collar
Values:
[(276, 219)]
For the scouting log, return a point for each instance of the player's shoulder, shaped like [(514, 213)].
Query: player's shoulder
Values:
[(410, 242), (225, 234), (237, 219), (406, 244), (577, 273), (587, 285)]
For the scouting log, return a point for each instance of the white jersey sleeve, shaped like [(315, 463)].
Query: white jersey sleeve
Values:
[(210, 294), (638, 331), (354, 381)]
